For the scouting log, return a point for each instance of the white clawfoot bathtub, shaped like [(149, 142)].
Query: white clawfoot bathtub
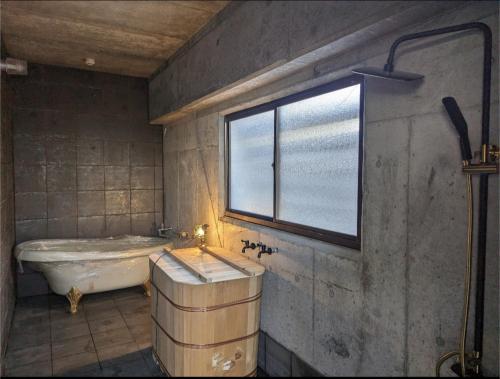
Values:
[(74, 267)]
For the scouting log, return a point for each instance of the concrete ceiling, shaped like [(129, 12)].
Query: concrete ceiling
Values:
[(123, 37)]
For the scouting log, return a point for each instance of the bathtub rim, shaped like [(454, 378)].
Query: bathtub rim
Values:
[(22, 252)]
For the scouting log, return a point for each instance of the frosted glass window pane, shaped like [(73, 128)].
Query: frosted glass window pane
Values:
[(251, 158), (318, 149)]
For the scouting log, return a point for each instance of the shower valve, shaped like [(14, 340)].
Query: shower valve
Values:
[(248, 245), (266, 250), (493, 152)]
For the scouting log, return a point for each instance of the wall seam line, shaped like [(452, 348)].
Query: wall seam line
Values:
[(104, 189), (77, 188), (313, 306), (46, 188), (130, 186), (407, 249)]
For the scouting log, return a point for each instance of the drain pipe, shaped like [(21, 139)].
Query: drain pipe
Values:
[(14, 66)]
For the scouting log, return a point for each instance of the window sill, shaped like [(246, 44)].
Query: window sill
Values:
[(325, 236)]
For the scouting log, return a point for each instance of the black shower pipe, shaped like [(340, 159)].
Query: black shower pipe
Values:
[(485, 137)]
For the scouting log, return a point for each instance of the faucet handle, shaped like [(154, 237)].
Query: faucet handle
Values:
[(266, 250), (262, 249), (248, 245)]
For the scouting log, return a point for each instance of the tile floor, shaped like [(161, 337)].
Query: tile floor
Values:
[(109, 336)]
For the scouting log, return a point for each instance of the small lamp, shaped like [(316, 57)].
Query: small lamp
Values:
[(199, 232)]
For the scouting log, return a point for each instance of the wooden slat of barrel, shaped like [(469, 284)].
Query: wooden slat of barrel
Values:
[(191, 268), (200, 326), (206, 329), (183, 290), (209, 266), (228, 260), (233, 359), (245, 264)]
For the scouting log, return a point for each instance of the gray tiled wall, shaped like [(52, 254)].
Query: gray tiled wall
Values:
[(86, 161), (7, 296), (275, 360)]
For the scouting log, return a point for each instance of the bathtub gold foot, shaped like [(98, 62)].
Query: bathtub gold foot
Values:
[(147, 288), (74, 296)]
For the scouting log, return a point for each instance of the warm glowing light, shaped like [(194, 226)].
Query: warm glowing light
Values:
[(199, 231)]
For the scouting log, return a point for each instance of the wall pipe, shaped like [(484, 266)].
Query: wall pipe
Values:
[(389, 73), (483, 183)]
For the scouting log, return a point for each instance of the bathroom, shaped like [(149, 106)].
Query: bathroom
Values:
[(119, 123)]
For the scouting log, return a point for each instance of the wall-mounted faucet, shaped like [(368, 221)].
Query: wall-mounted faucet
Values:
[(248, 245), (266, 250), (263, 249), (169, 232), (165, 232)]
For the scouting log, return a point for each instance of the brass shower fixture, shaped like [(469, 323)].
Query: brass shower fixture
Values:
[(487, 164), (469, 363)]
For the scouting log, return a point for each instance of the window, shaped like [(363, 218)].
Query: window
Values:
[(295, 163)]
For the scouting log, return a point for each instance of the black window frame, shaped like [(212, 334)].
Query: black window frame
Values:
[(272, 222)]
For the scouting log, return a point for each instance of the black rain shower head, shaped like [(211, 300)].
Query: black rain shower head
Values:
[(384, 74), (461, 126), (388, 71)]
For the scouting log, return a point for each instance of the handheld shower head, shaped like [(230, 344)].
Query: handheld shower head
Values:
[(458, 120), (461, 127), (386, 74)]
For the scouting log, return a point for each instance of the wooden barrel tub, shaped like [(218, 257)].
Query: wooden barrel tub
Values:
[(205, 312)]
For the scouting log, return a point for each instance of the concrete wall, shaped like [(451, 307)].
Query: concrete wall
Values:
[(273, 39), (7, 237), (86, 162), (393, 307)]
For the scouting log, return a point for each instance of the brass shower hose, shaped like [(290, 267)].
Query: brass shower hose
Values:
[(468, 270)]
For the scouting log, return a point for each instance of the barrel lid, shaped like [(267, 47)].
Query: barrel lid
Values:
[(205, 265)]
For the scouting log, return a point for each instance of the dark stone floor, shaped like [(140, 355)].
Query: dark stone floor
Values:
[(109, 336)]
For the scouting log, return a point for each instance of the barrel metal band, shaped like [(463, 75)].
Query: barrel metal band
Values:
[(158, 360), (165, 371), (208, 309), (204, 346)]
